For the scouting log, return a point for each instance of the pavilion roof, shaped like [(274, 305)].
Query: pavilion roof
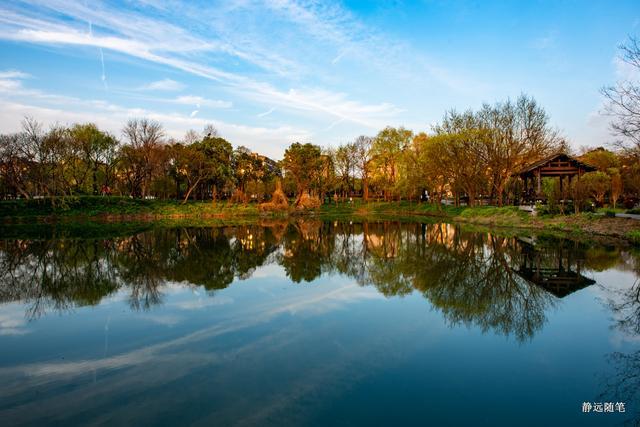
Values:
[(533, 166)]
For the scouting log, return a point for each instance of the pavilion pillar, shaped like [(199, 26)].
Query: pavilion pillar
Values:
[(539, 183)]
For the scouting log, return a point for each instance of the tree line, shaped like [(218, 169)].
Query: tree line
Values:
[(469, 156)]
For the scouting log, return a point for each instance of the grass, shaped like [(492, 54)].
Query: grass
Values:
[(93, 206), (634, 237)]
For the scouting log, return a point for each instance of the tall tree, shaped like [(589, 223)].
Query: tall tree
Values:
[(515, 134), (363, 162), (301, 162), (218, 153), (345, 162), (624, 101), (145, 137), (385, 152), (95, 149)]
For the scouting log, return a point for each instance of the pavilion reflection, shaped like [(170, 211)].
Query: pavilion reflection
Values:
[(556, 269)]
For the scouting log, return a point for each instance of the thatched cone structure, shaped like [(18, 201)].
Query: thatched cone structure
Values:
[(278, 200), (307, 202)]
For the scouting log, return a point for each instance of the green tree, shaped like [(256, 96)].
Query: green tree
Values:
[(597, 184), (363, 162), (345, 164), (217, 152), (96, 150), (301, 163), (602, 159), (386, 150)]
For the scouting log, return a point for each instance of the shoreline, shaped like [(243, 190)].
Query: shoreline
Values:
[(93, 211)]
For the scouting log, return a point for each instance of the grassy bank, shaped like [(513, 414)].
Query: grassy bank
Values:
[(116, 208), (110, 209)]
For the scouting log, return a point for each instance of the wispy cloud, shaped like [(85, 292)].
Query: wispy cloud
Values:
[(159, 47), (13, 74), (200, 101), (11, 80), (164, 85), (266, 113)]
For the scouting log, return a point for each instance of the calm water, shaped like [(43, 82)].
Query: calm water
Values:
[(314, 323)]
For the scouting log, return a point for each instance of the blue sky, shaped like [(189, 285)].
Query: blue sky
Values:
[(268, 73)]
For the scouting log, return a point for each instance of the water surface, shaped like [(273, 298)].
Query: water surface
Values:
[(317, 323)]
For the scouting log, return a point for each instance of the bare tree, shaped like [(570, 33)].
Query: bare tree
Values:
[(143, 132), (145, 137), (623, 101), (210, 131)]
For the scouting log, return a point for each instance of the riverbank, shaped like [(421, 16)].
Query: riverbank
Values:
[(119, 209)]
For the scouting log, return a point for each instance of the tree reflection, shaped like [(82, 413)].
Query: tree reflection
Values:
[(624, 384), (473, 278)]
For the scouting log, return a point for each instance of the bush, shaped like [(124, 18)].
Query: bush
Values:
[(634, 236), (609, 214)]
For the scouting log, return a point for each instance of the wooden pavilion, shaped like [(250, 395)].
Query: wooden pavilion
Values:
[(559, 165)]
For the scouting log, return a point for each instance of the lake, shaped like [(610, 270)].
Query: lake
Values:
[(318, 323)]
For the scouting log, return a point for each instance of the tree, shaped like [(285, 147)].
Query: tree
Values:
[(553, 193), (301, 163), (363, 162), (345, 163), (96, 149), (246, 167), (616, 186), (579, 193), (437, 174), (218, 153), (191, 162), (623, 101), (598, 184), (385, 154), (139, 157), (513, 134), (14, 166), (601, 159), (324, 179)]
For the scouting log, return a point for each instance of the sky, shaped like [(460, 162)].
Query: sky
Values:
[(269, 73)]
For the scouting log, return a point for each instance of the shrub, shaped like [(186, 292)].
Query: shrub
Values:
[(634, 236)]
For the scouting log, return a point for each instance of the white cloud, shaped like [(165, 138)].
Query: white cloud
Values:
[(10, 80), (13, 74), (12, 320), (164, 85), (111, 117), (160, 47), (200, 101)]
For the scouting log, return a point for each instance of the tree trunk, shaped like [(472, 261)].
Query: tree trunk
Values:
[(186, 196)]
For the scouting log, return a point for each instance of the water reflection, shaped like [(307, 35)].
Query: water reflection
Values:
[(622, 383), (502, 284)]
